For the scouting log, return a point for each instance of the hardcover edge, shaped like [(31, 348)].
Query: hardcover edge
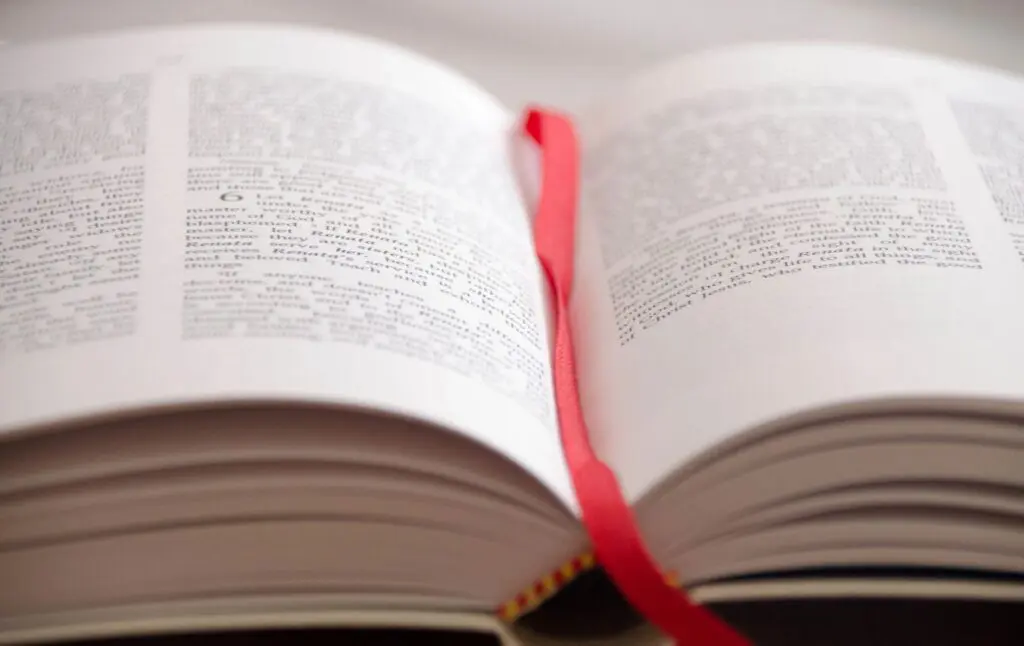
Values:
[(111, 624)]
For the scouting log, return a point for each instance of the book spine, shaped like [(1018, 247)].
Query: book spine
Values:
[(546, 587), (552, 583)]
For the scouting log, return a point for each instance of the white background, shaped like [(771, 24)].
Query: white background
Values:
[(563, 51)]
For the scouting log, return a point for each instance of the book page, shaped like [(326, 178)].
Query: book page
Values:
[(770, 229), (217, 214)]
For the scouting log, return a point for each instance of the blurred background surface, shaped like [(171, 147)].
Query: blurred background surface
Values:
[(562, 52)]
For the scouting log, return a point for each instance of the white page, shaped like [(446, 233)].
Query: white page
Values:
[(904, 283), (378, 254)]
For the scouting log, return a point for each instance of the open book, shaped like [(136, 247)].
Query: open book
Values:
[(274, 339)]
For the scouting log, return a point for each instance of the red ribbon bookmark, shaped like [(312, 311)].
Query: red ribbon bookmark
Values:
[(607, 517)]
